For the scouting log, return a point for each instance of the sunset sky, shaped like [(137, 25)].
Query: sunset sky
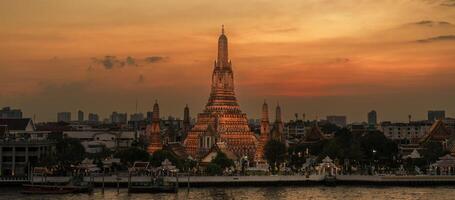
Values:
[(319, 57)]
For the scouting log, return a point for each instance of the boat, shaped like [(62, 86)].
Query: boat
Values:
[(75, 185), (55, 189), (157, 186)]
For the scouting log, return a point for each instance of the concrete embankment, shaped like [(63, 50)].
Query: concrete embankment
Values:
[(225, 181)]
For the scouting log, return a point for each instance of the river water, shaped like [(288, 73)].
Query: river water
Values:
[(308, 192)]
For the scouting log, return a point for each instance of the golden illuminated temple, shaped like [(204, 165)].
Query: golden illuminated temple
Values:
[(222, 121)]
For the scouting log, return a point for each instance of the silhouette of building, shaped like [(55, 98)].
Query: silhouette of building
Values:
[(154, 131), (64, 117), (8, 113), (93, 118), (222, 120), (119, 118), (372, 118), (80, 116), (338, 120), (434, 115)]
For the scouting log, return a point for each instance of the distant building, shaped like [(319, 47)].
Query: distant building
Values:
[(94, 140), (405, 133), (119, 118), (93, 118), (9, 113), (64, 117), (295, 129), (21, 146), (137, 117), (338, 120), (434, 115), (372, 118), (80, 116)]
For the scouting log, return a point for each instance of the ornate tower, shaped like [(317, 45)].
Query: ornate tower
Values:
[(278, 127), (222, 113), (154, 131), (265, 134), (186, 121)]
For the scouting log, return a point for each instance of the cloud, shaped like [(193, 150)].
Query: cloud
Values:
[(154, 59), (441, 38), (131, 61), (448, 3), (432, 23), (109, 62)]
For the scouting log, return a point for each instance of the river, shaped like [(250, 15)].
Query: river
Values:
[(253, 193)]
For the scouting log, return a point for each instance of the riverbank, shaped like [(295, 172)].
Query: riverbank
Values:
[(234, 181)]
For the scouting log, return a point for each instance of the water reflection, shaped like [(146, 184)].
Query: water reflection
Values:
[(254, 193)]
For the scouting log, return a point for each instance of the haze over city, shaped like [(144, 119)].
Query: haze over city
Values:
[(315, 57)]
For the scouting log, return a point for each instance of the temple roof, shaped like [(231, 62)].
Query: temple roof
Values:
[(438, 132), (314, 134)]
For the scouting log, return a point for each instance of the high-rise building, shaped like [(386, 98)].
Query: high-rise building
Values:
[(434, 115), (154, 131), (64, 117), (136, 117), (80, 116), (222, 122), (119, 118), (8, 113), (93, 118), (338, 120), (372, 118)]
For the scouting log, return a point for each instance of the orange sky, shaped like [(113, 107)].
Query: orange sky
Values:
[(319, 57)]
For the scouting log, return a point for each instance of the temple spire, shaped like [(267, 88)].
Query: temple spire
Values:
[(278, 113), (222, 60), (265, 112)]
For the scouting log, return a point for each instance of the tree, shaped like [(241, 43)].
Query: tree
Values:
[(376, 146), (432, 151), (275, 153), (213, 169), (69, 151), (222, 160), (131, 155)]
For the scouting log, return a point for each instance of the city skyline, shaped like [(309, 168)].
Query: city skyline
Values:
[(397, 58)]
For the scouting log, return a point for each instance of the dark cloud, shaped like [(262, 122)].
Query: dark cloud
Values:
[(154, 59), (109, 62), (131, 61), (341, 60), (432, 23), (440, 38)]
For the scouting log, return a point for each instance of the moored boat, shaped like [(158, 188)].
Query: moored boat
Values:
[(55, 189)]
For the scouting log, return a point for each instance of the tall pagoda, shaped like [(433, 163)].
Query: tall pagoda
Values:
[(221, 121), (154, 131)]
